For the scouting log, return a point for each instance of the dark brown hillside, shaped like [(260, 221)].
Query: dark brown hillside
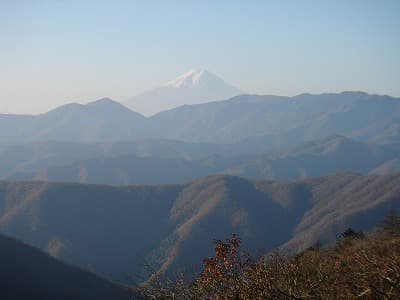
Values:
[(216, 206), (108, 230), (28, 273), (142, 230), (342, 201)]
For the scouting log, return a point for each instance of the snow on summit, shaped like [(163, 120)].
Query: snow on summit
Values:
[(192, 87), (192, 78)]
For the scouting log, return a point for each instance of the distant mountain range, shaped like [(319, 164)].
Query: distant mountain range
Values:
[(28, 273), (279, 122), (284, 121), (121, 163), (176, 180), (194, 87), (134, 231)]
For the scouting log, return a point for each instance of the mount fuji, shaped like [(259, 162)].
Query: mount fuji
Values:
[(193, 87)]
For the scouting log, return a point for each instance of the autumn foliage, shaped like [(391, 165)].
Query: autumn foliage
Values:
[(224, 273), (356, 266)]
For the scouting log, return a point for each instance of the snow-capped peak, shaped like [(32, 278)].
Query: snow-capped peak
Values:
[(194, 87), (192, 78)]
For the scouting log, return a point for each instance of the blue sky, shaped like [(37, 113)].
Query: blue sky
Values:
[(53, 52)]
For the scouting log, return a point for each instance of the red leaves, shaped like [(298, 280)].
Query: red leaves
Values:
[(223, 272), (227, 258)]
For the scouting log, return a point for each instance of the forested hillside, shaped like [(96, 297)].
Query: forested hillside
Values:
[(139, 230)]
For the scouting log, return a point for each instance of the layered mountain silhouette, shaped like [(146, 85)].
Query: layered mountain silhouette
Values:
[(193, 87), (142, 230), (29, 273), (277, 121), (183, 174), (28, 157), (320, 157)]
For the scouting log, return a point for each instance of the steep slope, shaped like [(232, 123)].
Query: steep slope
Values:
[(28, 273), (340, 202), (193, 87), (141, 230), (104, 229)]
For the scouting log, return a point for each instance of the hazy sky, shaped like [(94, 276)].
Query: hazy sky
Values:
[(53, 52)]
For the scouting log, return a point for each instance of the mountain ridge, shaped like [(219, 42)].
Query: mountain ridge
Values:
[(283, 121), (168, 227)]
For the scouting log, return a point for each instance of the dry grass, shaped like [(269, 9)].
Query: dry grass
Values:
[(355, 267)]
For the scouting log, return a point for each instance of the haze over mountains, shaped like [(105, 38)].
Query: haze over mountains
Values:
[(279, 171), (263, 172), (278, 121), (106, 164), (193, 87), (252, 136)]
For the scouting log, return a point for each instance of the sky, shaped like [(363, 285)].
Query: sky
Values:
[(55, 52)]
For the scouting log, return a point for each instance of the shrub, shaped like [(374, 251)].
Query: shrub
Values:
[(358, 267)]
